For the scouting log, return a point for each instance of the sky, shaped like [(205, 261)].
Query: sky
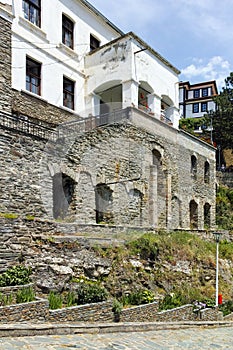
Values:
[(195, 36)]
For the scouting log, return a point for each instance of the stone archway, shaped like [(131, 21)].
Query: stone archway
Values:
[(104, 204), (193, 213), (207, 208), (63, 195), (135, 207)]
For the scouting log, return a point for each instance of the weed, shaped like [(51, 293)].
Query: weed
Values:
[(25, 295), (55, 301)]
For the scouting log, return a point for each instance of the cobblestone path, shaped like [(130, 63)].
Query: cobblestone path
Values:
[(192, 338)]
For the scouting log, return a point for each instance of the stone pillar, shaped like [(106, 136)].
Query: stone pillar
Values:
[(130, 93), (200, 216), (154, 103), (175, 117), (213, 216), (153, 194), (95, 104), (169, 199), (5, 60)]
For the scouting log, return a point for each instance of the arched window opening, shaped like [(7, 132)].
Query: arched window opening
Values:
[(207, 172), (207, 215), (143, 99), (193, 212), (135, 206), (104, 202), (156, 157), (63, 194), (194, 166), (176, 212)]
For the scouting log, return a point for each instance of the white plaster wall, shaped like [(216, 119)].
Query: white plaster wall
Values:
[(162, 79), (117, 62), (45, 45)]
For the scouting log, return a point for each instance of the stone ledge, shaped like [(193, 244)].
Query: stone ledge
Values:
[(26, 329)]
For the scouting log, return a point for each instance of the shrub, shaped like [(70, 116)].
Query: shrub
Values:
[(171, 301), (71, 299), (146, 246), (116, 309), (227, 307), (139, 297), (91, 293), (55, 301), (15, 275), (25, 295), (6, 299)]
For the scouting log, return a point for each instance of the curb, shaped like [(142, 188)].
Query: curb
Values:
[(26, 329)]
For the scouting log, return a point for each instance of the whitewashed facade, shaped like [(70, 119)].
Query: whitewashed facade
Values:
[(123, 72)]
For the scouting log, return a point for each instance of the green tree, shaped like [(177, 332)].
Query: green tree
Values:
[(223, 116)]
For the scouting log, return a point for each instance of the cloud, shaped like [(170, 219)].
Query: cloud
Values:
[(130, 15), (216, 68)]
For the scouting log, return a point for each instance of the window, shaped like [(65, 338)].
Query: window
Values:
[(94, 43), (104, 204), (32, 10), (204, 107), (207, 172), (68, 93), (196, 93), (204, 92), (67, 32), (194, 166), (33, 76), (195, 107)]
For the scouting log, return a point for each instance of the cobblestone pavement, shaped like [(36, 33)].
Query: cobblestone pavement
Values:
[(191, 338)]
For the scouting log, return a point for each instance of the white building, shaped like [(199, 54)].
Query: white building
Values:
[(69, 55), (196, 100)]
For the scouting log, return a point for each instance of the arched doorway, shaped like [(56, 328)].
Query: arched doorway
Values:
[(193, 212), (104, 203), (207, 207), (63, 195), (135, 207), (108, 97)]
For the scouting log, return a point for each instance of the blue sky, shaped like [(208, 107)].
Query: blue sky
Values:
[(196, 36)]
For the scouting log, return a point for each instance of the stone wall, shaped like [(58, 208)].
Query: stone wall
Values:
[(35, 311), (5, 65), (101, 312), (145, 190), (38, 311), (24, 103), (142, 313), (183, 313), (225, 178)]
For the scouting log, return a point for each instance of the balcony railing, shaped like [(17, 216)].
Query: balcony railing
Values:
[(22, 124)]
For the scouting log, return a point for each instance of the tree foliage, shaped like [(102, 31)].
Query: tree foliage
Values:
[(223, 116)]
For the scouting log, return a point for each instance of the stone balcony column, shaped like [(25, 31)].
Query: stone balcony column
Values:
[(169, 199), (130, 93), (153, 194), (154, 103)]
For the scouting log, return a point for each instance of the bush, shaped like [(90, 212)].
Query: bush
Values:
[(171, 301), (139, 297), (91, 293), (146, 246), (6, 299), (25, 295), (55, 301), (71, 299), (227, 307), (16, 275)]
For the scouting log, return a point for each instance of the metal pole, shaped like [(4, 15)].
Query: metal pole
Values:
[(211, 129), (216, 296)]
